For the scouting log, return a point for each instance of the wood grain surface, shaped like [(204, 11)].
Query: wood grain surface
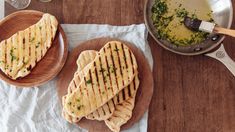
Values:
[(191, 94), (53, 61), (144, 93)]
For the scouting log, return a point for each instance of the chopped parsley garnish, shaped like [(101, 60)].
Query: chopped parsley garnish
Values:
[(88, 81), (79, 107), (38, 44), (181, 12), (116, 49), (69, 103), (107, 74), (102, 70), (40, 27), (12, 55), (32, 39)]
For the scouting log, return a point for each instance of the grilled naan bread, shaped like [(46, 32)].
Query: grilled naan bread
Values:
[(106, 111), (20, 53), (83, 60), (112, 69), (123, 111)]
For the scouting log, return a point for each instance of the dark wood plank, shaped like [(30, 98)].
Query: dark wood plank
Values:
[(192, 94), (54, 7), (114, 12)]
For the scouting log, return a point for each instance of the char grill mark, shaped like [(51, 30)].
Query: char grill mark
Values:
[(92, 85), (103, 77), (111, 69), (134, 83), (98, 83), (109, 106), (114, 68), (124, 56), (119, 61), (109, 74)]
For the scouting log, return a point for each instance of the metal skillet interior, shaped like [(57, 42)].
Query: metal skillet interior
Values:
[(222, 14)]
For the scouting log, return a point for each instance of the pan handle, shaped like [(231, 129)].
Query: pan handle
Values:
[(222, 56)]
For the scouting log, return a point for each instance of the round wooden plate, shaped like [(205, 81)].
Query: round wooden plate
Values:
[(52, 62), (144, 93)]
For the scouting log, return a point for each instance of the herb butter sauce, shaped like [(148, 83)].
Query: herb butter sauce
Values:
[(168, 17)]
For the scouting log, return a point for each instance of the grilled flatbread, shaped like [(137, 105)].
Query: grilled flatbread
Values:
[(107, 110), (20, 53), (112, 69), (83, 60), (104, 112), (123, 111)]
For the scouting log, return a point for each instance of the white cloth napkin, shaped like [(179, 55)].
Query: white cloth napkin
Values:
[(2, 9), (38, 109)]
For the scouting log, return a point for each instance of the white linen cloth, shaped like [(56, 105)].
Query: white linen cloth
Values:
[(38, 108), (1, 9)]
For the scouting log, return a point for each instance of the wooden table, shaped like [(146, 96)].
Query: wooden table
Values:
[(191, 94)]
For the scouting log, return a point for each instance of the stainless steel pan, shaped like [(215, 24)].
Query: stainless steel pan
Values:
[(223, 16)]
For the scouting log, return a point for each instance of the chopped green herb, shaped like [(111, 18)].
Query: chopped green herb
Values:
[(69, 103), (12, 55), (181, 12), (32, 39), (40, 27), (88, 81), (79, 107), (103, 92), (38, 44), (102, 70), (78, 100), (107, 74), (194, 16), (116, 49)]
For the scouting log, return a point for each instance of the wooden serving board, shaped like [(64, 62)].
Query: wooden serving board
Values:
[(144, 93), (51, 63)]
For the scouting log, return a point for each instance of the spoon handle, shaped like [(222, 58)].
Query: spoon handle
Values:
[(225, 31), (222, 56)]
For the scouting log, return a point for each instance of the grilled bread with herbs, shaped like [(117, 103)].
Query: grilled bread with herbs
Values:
[(20, 53), (104, 112), (112, 69), (123, 111)]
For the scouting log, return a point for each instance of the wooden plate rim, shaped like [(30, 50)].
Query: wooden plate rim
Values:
[(64, 58)]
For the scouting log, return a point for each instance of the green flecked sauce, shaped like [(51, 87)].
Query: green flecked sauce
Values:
[(168, 19)]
